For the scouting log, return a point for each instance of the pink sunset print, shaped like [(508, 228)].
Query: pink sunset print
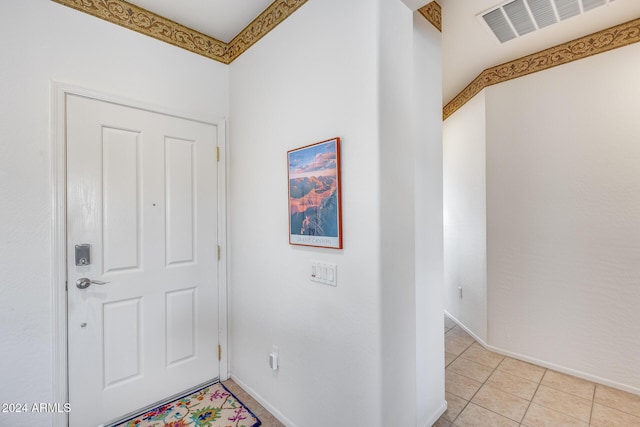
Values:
[(313, 191)]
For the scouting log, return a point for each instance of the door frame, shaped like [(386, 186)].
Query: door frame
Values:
[(59, 92)]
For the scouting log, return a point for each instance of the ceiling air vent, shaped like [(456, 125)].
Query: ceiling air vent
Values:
[(515, 18)]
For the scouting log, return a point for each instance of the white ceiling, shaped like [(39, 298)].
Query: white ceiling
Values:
[(468, 47), (220, 19)]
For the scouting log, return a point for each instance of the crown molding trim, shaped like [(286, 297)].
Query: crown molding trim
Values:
[(433, 13), (150, 24), (270, 18), (593, 44)]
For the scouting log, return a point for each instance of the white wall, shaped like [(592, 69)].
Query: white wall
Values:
[(397, 182), (312, 78), (563, 209), (465, 216), (315, 77), (429, 289), (411, 264), (43, 41), (323, 74)]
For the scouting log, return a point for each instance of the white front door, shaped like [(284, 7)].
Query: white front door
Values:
[(142, 192)]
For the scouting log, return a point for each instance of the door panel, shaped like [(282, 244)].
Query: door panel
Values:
[(180, 201), (122, 341), (181, 323), (142, 191), (122, 205)]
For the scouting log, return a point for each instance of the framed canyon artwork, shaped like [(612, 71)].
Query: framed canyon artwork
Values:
[(315, 215)]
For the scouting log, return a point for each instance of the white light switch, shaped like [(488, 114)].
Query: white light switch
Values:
[(324, 272)]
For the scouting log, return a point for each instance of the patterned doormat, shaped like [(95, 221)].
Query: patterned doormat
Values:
[(211, 406)]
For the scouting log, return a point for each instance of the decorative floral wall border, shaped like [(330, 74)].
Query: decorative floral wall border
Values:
[(148, 23), (272, 16), (433, 13), (599, 42)]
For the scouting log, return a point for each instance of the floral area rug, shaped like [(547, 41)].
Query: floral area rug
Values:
[(212, 406)]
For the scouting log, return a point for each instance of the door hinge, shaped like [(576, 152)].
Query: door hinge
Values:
[(219, 352), (219, 252), (218, 154)]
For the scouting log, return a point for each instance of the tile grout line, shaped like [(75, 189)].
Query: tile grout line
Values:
[(468, 401), (485, 383), (593, 403), (558, 389), (481, 385), (623, 409), (619, 409), (534, 394)]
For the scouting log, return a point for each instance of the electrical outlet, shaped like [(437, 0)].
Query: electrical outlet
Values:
[(460, 291), (274, 358)]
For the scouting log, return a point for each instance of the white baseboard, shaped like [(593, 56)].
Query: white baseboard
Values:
[(549, 365), (430, 422), (288, 423), (276, 413), (467, 330), (564, 369)]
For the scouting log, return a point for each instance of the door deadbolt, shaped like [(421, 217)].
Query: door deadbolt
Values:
[(83, 254)]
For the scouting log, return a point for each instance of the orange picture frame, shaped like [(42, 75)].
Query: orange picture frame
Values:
[(315, 201)]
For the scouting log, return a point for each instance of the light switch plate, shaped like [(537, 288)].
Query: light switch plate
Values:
[(324, 272)]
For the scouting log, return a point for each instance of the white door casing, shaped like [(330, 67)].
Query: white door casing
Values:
[(142, 191)]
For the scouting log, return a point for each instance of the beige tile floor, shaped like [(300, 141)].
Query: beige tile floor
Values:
[(485, 389), (259, 411)]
